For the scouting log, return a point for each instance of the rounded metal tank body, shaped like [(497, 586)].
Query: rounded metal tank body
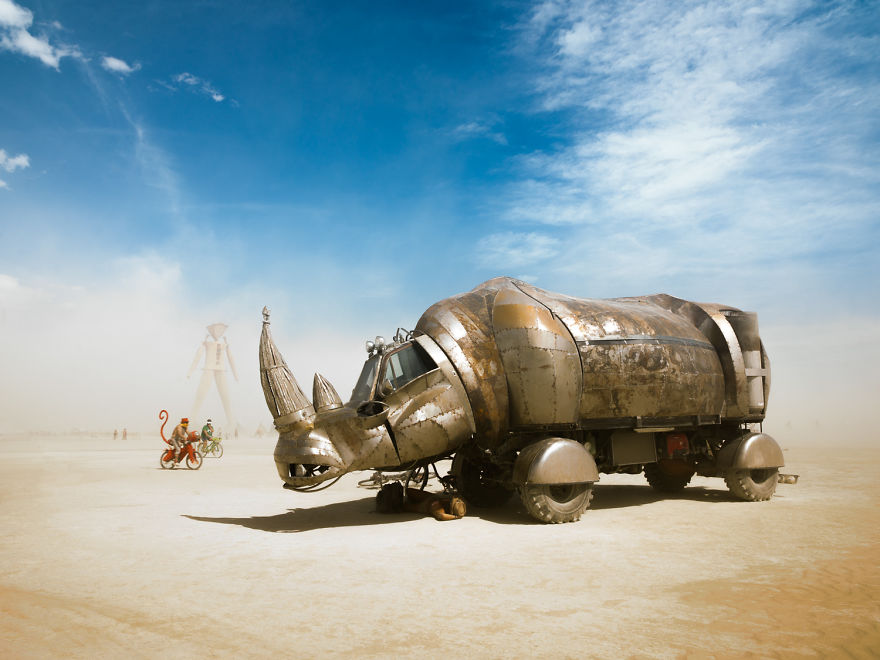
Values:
[(530, 358)]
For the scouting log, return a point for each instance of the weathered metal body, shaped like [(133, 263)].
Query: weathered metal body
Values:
[(537, 391)]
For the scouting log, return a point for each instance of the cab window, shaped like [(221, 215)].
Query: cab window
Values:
[(364, 386), (406, 365)]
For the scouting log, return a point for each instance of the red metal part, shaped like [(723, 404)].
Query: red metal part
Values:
[(676, 444), (164, 422)]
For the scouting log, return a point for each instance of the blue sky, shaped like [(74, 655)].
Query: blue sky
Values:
[(165, 165)]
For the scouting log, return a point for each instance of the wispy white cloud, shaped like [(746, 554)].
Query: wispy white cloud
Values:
[(14, 17), (479, 129), (115, 65), (198, 85), (716, 134), (12, 163), (514, 249), (15, 36), (155, 165)]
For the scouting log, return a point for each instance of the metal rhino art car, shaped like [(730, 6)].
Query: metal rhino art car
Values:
[(538, 393)]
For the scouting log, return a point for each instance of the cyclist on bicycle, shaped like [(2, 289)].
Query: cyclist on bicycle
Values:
[(207, 433), (178, 436)]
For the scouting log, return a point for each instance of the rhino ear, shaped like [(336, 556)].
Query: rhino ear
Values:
[(283, 394), (324, 395)]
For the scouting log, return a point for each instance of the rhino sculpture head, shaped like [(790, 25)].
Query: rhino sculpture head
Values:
[(322, 439)]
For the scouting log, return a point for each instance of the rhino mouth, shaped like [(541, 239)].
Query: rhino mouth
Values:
[(307, 460), (305, 474), (307, 470)]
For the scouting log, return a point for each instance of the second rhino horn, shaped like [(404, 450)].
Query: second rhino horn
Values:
[(324, 395)]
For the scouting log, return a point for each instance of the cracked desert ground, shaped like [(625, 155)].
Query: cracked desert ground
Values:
[(104, 554)]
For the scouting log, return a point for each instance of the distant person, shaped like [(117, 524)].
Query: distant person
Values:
[(125, 434), (206, 436), (442, 506), (178, 436), (115, 434)]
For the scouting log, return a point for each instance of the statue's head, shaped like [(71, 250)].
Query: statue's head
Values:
[(216, 330)]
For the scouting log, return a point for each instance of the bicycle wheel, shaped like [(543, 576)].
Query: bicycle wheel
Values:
[(195, 461), (165, 462)]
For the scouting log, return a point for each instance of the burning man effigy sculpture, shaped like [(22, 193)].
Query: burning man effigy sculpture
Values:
[(215, 351), (537, 393)]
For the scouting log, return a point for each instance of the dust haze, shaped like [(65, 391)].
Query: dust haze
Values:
[(112, 356)]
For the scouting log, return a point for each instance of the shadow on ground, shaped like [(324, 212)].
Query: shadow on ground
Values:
[(622, 496), (361, 512), (353, 513)]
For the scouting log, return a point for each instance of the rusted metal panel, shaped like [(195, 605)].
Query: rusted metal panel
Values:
[(462, 327), (638, 358), (540, 359), (428, 417), (443, 363), (714, 321)]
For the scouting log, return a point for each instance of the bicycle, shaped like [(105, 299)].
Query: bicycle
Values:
[(211, 447)]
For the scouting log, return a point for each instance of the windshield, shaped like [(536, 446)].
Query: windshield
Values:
[(364, 385), (406, 365)]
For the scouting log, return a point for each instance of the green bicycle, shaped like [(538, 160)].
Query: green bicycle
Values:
[(211, 447)]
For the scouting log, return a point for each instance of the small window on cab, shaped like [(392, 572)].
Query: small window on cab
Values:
[(407, 364)]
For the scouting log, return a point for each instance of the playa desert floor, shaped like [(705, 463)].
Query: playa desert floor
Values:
[(105, 554)]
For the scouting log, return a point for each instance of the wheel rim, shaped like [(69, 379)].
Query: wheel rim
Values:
[(761, 475), (564, 492)]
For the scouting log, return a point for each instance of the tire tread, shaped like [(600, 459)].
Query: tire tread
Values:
[(537, 502)]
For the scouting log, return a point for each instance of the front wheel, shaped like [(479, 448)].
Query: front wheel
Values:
[(752, 485), (217, 450), (194, 462), (165, 462), (557, 503)]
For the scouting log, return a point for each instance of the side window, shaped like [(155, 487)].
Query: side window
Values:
[(407, 364)]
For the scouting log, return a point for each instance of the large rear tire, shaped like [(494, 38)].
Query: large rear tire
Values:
[(754, 485), (166, 464), (552, 503), (668, 476)]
